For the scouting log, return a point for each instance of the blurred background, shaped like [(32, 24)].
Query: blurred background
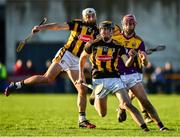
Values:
[(158, 22)]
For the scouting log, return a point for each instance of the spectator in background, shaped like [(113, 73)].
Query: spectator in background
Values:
[(3, 77), (29, 67), (168, 70), (18, 68), (158, 80)]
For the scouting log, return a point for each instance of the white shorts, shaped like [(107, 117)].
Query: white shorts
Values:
[(66, 60), (109, 85), (131, 79)]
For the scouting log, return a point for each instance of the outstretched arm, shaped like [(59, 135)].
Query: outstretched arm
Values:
[(51, 26), (82, 62)]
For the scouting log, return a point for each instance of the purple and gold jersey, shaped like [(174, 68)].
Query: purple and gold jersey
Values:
[(135, 42), (104, 58)]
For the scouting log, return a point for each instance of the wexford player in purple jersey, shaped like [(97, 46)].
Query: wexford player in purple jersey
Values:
[(132, 76)]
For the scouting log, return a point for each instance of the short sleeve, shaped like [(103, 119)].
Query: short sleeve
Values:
[(142, 46), (71, 24)]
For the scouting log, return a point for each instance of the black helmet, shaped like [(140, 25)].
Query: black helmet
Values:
[(106, 24)]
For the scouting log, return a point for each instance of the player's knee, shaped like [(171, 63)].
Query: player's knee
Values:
[(49, 79), (81, 91)]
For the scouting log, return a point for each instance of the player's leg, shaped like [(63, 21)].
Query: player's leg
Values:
[(126, 102), (146, 117), (128, 81), (92, 98), (81, 99), (121, 113), (139, 91), (100, 105), (48, 77)]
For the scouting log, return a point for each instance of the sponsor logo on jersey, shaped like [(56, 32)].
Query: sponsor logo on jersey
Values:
[(133, 44), (85, 38), (104, 58)]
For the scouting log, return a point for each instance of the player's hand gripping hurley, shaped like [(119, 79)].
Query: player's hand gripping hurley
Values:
[(23, 42)]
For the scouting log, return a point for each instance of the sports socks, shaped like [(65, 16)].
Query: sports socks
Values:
[(82, 116), (19, 84), (160, 125)]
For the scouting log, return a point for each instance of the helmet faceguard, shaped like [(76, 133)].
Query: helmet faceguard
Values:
[(89, 15)]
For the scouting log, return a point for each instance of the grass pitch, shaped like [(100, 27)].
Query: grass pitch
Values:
[(56, 115)]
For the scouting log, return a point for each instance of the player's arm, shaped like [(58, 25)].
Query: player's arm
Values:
[(82, 61), (128, 61), (51, 26)]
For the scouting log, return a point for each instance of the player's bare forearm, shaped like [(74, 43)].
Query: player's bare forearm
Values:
[(54, 26), (128, 62), (51, 26), (82, 62)]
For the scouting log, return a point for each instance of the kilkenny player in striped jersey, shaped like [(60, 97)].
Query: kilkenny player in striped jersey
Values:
[(132, 76), (104, 54), (67, 58)]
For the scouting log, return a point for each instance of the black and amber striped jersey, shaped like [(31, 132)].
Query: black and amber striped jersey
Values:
[(135, 42), (80, 34), (104, 58)]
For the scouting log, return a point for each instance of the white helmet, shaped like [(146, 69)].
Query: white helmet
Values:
[(88, 11)]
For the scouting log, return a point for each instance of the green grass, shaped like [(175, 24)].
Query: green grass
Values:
[(56, 115)]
